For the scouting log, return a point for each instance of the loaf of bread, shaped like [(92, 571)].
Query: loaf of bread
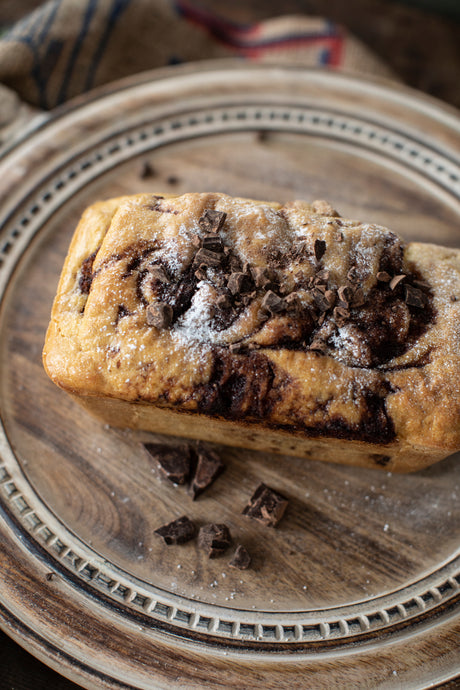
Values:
[(283, 328)]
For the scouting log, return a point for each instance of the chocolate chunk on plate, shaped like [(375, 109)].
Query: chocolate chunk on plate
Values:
[(266, 506), (214, 539), (177, 532), (174, 462), (241, 558), (208, 467)]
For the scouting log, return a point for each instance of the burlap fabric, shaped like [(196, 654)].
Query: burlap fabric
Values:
[(67, 47)]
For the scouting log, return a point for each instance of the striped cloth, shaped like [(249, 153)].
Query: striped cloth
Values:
[(67, 47)]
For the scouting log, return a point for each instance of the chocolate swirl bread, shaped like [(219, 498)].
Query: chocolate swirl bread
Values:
[(280, 328)]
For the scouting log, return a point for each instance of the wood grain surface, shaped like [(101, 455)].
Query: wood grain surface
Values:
[(359, 585)]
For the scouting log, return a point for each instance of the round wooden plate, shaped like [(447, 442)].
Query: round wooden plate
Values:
[(359, 585)]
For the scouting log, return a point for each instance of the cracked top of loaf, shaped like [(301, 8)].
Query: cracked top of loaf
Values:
[(283, 315)]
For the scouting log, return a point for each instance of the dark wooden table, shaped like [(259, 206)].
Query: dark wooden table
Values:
[(423, 49)]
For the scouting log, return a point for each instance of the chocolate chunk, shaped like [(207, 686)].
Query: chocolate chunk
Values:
[(247, 298), (207, 258), (320, 248), (293, 301), (214, 539), (234, 263), (322, 300), (208, 467), (159, 315), (383, 277), (196, 241), (414, 297), (213, 243), (158, 273), (224, 302), (353, 275), (358, 298), (396, 280), (241, 558), (344, 293), (239, 282), (330, 296), (273, 303), (321, 277), (453, 298), (86, 274), (266, 505), (260, 276), (201, 272), (212, 221), (341, 314), (177, 532), (147, 171), (174, 462)]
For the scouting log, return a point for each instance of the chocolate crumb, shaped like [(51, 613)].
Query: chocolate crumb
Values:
[(208, 467), (266, 506), (320, 248), (212, 221), (174, 462), (147, 171), (214, 539), (414, 297), (159, 315), (453, 298), (241, 558), (396, 280), (179, 531)]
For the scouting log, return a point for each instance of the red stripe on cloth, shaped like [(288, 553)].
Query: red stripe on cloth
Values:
[(248, 39)]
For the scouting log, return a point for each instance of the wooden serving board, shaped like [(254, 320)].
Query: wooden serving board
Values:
[(359, 585)]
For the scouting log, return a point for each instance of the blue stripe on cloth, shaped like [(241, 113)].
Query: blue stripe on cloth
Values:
[(89, 13), (323, 57), (43, 66), (118, 7)]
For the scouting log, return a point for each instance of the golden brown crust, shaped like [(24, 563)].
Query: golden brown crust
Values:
[(303, 331)]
